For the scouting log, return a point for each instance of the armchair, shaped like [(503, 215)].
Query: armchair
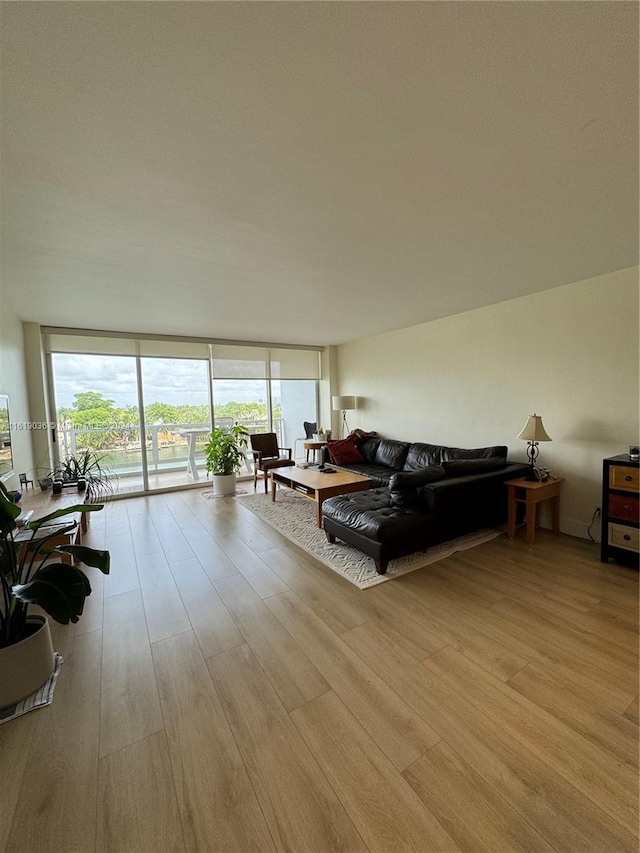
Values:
[(267, 455)]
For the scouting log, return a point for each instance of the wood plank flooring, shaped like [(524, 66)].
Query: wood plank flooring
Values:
[(226, 692)]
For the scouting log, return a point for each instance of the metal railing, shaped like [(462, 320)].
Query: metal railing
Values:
[(166, 449)]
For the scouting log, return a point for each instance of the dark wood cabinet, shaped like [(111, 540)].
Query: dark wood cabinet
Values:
[(620, 509)]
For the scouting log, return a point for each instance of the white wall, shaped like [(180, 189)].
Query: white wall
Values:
[(13, 383), (569, 354)]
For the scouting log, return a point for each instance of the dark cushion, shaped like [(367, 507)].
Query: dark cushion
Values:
[(449, 453), (379, 474), (344, 451), (420, 456), (392, 453), (363, 435), (404, 487), (462, 467), (371, 514), (368, 447)]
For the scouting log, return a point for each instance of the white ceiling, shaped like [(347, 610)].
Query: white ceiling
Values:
[(311, 172)]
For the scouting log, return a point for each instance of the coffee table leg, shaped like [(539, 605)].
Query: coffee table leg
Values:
[(319, 510), (273, 489)]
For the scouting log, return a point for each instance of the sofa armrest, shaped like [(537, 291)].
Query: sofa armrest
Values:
[(454, 492), (404, 486)]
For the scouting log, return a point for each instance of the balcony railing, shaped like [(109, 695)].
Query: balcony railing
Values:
[(166, 446)]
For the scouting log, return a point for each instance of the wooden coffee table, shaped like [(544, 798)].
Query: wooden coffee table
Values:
[(318, 485)]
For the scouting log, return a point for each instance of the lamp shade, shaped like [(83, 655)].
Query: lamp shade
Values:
[(341, 404), (533, 430)]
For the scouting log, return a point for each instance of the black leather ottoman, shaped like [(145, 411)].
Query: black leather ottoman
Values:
[(371, 523)]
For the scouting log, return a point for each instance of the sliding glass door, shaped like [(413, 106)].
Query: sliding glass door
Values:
[(97, 410), (177, 416), (147, 406)]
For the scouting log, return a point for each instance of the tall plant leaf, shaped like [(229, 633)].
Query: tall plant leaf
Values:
[(89, 556), (59, 589)]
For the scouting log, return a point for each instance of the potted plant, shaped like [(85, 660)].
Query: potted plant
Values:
[(224, 455), (84, 471), (29, 574)]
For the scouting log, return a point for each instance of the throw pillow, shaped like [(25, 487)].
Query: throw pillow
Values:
[(344, 451)]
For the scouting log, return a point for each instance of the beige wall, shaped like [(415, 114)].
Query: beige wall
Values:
[(568, 354), (13, 383)]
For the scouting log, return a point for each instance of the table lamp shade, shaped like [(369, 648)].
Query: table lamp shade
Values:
[(341, 404), (532, 433), (533, 430)]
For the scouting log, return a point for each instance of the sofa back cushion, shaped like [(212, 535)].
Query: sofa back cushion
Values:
[(405, 487), (450, 453), (368, 447), (421, 456), (464, 467), (391, 453), (344, 451)]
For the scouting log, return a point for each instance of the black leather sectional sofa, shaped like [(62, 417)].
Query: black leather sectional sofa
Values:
[(422, 494)]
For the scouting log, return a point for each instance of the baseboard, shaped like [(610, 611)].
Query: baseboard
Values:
[(571, 527)]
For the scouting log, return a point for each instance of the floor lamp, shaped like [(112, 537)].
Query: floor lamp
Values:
[(344, 405)]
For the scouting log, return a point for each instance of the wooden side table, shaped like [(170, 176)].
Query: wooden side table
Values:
[(532, 494), (315, 446)]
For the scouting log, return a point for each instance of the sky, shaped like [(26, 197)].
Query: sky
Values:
[(178, 382)]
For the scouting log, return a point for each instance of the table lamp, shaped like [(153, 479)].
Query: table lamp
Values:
[(344, 405), (533, 432)]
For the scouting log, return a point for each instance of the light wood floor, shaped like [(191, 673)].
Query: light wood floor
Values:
[(224, 692)]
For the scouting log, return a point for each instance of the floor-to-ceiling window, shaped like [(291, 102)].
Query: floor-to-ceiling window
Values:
[(177, 415), (147, 405), (97, 410)]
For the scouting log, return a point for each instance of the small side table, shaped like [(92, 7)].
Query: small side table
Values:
[(315, 446), (532, 494)]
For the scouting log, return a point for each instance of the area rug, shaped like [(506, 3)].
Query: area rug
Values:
[(295, 518)]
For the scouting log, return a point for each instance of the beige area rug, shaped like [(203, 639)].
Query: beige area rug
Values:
[(294, 517)]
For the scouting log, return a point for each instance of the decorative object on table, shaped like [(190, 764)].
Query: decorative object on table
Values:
[(84, 471), (292, 515), (320, 436), (533, 432), (28, 576), (343, 404), (267, 455), (24, 481), (224, 454), (634, 452)]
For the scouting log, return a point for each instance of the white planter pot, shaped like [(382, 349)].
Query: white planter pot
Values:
[(25, 666), (224, 484)]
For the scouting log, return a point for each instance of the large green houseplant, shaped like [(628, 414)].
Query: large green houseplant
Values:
[(30, 574), (224, 453)]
